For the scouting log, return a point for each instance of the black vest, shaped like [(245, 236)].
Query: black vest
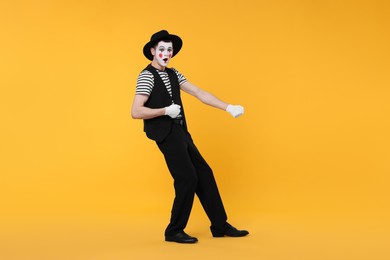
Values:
[(159, 127)]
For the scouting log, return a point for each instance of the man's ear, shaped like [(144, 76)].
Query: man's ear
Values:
[(153, 51)]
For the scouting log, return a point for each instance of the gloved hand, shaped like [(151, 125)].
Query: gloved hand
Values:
[(235, 111), (172, 111)]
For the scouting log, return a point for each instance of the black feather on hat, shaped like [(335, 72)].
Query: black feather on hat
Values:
[(160, 36)]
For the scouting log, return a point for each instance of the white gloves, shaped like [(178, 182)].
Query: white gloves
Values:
[(172, 111), (235, 111)]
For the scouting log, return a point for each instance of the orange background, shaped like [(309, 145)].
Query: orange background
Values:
[(311, 154)]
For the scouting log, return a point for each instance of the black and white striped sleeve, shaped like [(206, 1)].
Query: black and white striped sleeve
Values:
[(180, 76), (145, 83)]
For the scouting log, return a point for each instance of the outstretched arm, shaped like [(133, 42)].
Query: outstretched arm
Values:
[(203, 95), (210, 99)]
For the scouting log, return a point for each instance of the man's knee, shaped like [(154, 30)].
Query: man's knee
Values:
[(189, 181)]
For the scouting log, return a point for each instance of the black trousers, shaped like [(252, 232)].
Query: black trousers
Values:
[(192, 175)]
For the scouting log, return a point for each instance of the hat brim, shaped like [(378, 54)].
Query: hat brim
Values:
[(177, 43)]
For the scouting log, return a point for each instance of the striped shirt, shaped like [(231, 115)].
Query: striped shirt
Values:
[(145, 81)]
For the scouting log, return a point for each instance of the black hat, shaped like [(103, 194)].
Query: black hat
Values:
[(159, 36)]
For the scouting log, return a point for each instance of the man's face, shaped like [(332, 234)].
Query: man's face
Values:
[(163, 53)]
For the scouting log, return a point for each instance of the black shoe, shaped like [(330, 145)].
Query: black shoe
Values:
[(230, 231), (181, 237)]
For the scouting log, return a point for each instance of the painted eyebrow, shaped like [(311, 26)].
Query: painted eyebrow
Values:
[(163, 48)]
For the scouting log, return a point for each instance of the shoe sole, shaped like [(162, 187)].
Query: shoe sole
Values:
[(181, 242)]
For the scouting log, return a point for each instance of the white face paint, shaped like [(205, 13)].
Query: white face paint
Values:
[(162, 54)]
